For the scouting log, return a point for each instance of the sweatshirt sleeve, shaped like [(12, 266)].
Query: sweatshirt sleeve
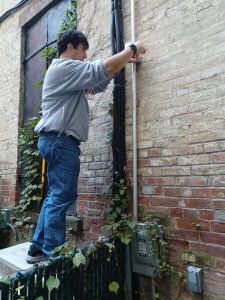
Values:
[(80, 75)]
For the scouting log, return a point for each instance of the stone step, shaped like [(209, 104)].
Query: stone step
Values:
[(12, 259)]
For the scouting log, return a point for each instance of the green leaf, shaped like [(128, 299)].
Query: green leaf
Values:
[(118, 210), (114, 286), (52, 283), (125, 239), (91, 249), (19, 287), (79, 259), (6, 281), (39, 298), (56, 250)]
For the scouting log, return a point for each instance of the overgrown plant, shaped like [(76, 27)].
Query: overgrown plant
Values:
[(117, 217), (119, 225), (31, 168), (153, 226)]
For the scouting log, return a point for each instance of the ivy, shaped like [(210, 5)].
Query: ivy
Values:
[(52, 282), (79, 259), (70, 19), (113, 287), (117, 218), (31, 165)]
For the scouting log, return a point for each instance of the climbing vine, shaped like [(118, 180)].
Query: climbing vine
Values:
[(120, 226)]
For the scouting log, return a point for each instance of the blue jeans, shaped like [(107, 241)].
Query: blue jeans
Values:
[(61, 153)]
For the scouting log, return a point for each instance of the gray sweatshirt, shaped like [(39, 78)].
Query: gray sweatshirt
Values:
[(64, 104)]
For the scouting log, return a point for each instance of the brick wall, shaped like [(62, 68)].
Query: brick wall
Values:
[(9, 108), (96, 157), (180, 113)]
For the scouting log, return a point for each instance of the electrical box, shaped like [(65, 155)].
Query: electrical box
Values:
[(195, 279), (143, 259)]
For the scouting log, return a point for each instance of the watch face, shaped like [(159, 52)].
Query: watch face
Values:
[(134, 48)]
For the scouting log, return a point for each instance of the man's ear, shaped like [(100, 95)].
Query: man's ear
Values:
[(69, 46)]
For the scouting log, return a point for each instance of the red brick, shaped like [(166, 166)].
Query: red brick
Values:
[(158, 190), (142, 200), (218, 157), (82, 181), (173, 192), (168, 202), (215, 287), (191, 149), (86, 227), (94, 212), (180, 245), (149, 172), (142, 163), (220, 264), (176, 171), (129, 163), (96, 205), (198, 246), (193, 224), (82, 204), (218, 227), (175, 212), (209, 192), (197, 203), (206, 214), (86, 189), (183, 234), (190, 213), (158, 181), (212, 238), (213, 250), (91, 236), (96, 228), (191, 181), (154, 152), (218, 204)]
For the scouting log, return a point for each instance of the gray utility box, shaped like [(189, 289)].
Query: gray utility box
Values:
[(143, 259), (195, 279)]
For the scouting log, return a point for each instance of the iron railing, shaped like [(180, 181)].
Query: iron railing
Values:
[(105, 267)]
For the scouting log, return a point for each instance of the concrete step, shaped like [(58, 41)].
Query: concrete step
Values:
[(12, 259)]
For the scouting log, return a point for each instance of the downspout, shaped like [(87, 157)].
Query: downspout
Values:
[(134, 118), (118, 141)]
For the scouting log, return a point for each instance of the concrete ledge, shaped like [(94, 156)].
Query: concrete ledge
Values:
[(12, 259)]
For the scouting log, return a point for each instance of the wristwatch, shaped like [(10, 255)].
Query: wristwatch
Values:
[(133, 48)]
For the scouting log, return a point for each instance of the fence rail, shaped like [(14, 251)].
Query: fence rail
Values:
[(105, 267)]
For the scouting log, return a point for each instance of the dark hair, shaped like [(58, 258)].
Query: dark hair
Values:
[(74, 37)]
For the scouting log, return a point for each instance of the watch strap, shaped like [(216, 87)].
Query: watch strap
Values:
[(133, 48)]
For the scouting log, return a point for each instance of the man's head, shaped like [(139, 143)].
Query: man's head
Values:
[(72, 44)]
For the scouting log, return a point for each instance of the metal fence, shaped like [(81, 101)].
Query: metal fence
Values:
[(105, 266)]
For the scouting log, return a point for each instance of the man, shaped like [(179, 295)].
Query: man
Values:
[(64, 125)]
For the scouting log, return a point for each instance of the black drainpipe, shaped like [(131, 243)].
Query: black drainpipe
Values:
[(118, 141)]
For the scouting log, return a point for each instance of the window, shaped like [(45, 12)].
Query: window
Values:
[(39, 36)]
